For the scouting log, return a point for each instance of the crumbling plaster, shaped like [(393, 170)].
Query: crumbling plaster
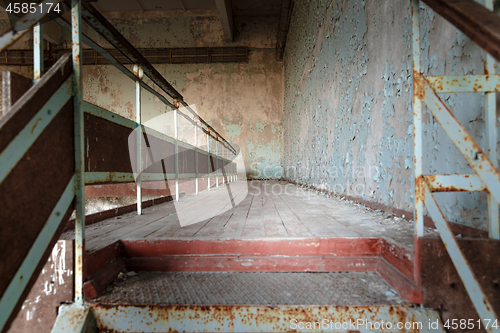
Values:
[(347, 119), (242, 101)]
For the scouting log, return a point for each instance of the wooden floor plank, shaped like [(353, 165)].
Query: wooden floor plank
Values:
[(145, 231), (220, 201), (119, 227), (254, 223), (263, 209), (293, 225), (215, 225), (272, 221), (234, 226), (171, 224), (319, 224)]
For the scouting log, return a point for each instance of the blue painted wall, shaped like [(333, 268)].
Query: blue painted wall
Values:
[(347, 119)]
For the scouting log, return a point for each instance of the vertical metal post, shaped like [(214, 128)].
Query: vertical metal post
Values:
[(230, 176), (216, 164), (138, 72), (417, 120), (196, 154), (176, 154), (79, 149), (417, 136), (208, 154), (491, 139), (38, 51), (225, 157)]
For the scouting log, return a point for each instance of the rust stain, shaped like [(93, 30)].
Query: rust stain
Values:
[(271, 316), (34, 126), (419, 189), (417, 85)]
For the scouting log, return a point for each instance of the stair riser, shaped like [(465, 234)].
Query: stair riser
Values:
[(176, 318)]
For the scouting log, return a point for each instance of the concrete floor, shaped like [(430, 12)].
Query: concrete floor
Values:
[(266, 209)]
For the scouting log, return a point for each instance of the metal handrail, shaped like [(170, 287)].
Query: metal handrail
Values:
[(102, 26), (23, 25), (99, 23), (87, 40), (74, 192)]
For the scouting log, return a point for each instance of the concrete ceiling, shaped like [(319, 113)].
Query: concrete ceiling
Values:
[(129, 5), (239, 7), (256, 7), (227, 9)]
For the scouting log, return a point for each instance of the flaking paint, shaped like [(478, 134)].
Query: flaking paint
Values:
[(347, 119)]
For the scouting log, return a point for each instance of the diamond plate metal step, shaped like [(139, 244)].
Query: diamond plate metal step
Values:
[(222, 288)]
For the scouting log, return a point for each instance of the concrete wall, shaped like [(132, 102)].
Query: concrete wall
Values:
[(347, 119), (242, 101)]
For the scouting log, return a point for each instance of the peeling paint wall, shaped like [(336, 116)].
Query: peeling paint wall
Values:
[(242, 101), (347, 119)]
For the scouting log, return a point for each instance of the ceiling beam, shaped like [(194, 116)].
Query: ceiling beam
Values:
[(478, 23), (182, 5), (96, 6), (139, 4), (226, 18)]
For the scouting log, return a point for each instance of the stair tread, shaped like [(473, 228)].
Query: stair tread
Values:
[(224, 288)]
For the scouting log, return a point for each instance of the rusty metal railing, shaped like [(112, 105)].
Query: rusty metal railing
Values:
[(476, 22), (99, 23), (102, 26), (72, 87)]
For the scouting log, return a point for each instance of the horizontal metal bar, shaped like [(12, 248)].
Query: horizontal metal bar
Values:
[(476, 294), (128, 177), (23, 25), (110, 177), (99, 23), (20, 281), (476, 158), (464, 83), (108, 115), (229, 146), (179, 112), (117, 119), (149, 131), (481, 25), (186, 145), (28, 135), (187, 175), (454, 183), (87, 40)]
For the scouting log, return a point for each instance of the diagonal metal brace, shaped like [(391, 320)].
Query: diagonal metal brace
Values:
[(474, 155), (476, 294)]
